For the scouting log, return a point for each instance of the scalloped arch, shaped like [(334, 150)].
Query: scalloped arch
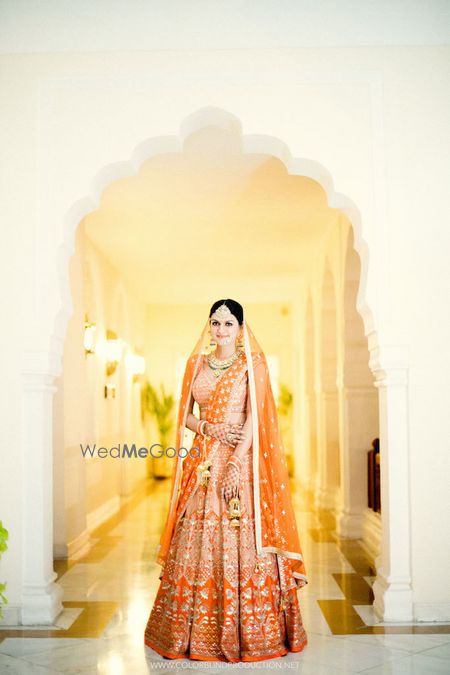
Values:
[(208, 116)]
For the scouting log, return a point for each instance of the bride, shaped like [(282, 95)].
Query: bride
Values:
[(230, 553)]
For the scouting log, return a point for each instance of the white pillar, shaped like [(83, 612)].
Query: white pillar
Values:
[(393, 585), (302, 457), (330, 466), (359, 426), (320, 445), (311, 439), (326, 491), (41, 597)]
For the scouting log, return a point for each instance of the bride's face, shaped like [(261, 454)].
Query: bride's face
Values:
[(225, 331)]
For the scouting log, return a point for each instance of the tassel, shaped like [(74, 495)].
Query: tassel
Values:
[(204, 472)]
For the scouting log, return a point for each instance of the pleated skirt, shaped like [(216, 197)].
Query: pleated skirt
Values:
[(218, 600)]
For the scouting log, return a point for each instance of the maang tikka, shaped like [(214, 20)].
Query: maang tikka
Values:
[(223, 312)]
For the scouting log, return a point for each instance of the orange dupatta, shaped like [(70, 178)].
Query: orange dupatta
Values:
[(275, 524)]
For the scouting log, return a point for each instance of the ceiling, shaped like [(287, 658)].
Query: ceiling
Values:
[(210, 218)]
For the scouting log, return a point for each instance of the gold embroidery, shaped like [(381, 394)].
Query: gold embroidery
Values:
[(218, 599)]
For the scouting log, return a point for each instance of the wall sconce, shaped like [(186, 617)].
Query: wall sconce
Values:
[(113, 351), (110, 390), (89, 336), (136, 365)]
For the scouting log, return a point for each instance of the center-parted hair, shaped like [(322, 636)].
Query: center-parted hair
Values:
[(235, 308)]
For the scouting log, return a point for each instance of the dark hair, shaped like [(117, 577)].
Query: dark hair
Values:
[(235, 308)]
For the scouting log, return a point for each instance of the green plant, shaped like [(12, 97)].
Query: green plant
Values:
[(284, 407), (285, 400), (160, 406), (3, 546)]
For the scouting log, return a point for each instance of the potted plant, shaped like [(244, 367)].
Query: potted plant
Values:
[(285, 400), (159, 406)]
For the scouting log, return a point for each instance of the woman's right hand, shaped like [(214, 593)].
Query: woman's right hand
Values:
[(230, 434)]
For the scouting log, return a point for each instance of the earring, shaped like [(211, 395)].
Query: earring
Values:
[(208, 348), (212, 344), (240, 340)]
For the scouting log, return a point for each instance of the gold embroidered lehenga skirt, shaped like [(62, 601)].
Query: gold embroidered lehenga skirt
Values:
[(219, 600)]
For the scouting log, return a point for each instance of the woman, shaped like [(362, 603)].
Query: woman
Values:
[(230, 554)]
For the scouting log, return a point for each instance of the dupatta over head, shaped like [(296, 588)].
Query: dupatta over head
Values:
[(275, 524)]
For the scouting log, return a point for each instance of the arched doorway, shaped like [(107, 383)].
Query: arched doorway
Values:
[(211, 117)]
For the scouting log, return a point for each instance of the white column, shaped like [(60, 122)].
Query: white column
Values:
[(41, 597), (330, 468), (302, 458), (320, 447), (393, 585), (359, 426), (311, 439), (307, 441), (326, 408)]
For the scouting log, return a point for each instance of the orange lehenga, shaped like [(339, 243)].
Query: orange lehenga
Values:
[(223, 594)]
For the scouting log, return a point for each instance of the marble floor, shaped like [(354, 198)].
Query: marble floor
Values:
[(108, 595)]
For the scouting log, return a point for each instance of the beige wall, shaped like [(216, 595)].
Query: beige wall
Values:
[(89, 489)]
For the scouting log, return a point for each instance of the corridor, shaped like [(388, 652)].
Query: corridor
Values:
[(109, 593)]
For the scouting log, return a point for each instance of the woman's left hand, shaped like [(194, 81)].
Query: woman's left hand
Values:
[(230, 487)]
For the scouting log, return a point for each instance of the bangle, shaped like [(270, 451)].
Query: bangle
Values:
[(235, 461), (200, 426)]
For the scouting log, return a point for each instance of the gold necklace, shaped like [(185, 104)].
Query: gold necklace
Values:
[(218, 366)]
